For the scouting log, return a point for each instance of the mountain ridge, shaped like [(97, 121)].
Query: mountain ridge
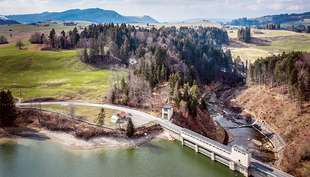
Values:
[(95, 15), (263, 20)]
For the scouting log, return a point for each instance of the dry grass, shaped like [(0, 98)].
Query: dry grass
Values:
[(34, 121), (88, 113), (286, 119)]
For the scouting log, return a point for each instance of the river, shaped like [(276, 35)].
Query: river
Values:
[(242, 136), (32, 157)]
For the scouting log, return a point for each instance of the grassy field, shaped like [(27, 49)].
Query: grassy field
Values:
[(275, 41), (178, 25), (17, 29), (268, 33), (88, 113), (37, 73)]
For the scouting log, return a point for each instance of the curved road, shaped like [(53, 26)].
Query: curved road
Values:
[(138, 117)]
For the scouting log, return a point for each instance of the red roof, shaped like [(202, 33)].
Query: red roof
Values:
[(122, 114)]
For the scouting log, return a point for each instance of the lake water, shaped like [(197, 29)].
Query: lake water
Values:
[(33, 157)]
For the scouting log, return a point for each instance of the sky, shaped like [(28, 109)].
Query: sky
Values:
[(163, 10)]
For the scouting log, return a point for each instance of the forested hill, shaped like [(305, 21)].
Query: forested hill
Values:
[(270, 19), (8, 22), (192, 54), (289, 72), (95, 15)]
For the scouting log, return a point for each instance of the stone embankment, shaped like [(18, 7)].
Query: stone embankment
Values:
[(274, 138)]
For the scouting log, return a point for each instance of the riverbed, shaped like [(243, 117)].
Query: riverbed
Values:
[(241, 136)]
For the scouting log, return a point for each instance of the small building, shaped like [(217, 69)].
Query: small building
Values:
[(167, 112), (122, 115), (257, 32), (241, 155), (114, 119), (69, 24)]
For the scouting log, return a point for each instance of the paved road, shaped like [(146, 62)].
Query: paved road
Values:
[(255, 164), (138, 117)]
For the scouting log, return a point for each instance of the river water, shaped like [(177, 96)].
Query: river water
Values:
[(242, 136), (33, 157)]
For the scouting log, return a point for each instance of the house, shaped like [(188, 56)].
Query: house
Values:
[(257, 32), (167, 112), (69, 24), (114, 119), (122, 115)]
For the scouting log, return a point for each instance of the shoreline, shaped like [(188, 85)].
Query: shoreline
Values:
[(102, 142)]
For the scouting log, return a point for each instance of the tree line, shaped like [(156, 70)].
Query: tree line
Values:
[(244, 34), (289, 72), (273, 26)]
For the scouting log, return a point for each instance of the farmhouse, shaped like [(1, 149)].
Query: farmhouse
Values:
[(167, 112), (257, 32), (122, 115), (69, 24)]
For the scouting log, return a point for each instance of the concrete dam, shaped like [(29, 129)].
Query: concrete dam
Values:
[(236, 157)]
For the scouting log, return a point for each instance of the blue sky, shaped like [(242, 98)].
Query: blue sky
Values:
[(163, 10)]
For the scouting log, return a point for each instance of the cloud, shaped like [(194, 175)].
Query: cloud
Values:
[(295, 7), (275, 6), (162, 10), (253, 7)]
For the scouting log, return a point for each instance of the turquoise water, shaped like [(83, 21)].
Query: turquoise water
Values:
[(34, 157)]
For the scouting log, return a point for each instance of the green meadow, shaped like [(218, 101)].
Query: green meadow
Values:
[(275, 41), (16, 29), (57, 74)]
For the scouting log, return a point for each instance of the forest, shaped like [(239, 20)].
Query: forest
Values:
[(185, 57), (289, 72)]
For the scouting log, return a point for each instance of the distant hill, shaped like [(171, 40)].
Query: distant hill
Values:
[(8, 22), (282, 18), (95, 15)]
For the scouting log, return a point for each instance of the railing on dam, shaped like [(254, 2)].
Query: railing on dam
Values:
[(205, 142)]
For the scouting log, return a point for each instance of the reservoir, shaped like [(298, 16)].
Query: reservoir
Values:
[(32, 157)]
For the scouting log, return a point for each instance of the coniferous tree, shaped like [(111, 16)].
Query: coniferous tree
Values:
[(308, 29), (130, 130), (112, 97), (94, 51), (140, 51), (101, 117), (124, 51), (7, 109), (75, 36), (52, 38)]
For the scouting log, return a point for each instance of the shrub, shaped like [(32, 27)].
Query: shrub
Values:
[(305, 155)]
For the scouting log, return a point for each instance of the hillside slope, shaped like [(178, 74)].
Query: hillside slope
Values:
[(281, 18), (285, 119), (93, 15), (31, 73)]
